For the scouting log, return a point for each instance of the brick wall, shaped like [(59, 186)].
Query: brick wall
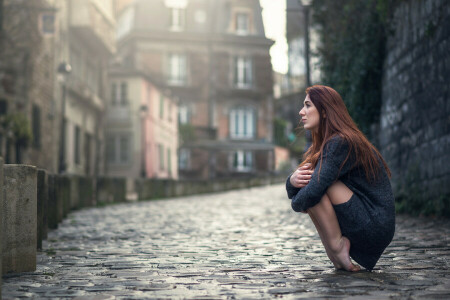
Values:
[(414, 134)]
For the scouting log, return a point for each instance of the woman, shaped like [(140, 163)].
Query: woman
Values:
[(343, 184)]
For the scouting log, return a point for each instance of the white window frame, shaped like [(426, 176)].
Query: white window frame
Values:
[(243, 72), (242, 20), (177, 69), (184, 114), (177, 18), (242, 123), (242, 161)]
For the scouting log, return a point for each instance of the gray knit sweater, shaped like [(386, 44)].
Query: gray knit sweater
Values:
[(368, 218)]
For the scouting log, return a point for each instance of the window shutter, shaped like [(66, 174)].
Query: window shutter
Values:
[(248, 71), (113, 94), (123, 93)]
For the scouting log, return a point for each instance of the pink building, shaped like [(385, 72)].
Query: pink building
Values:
[(141, 128)]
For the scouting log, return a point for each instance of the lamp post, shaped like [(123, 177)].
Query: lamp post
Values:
[(64, 69), (143, 113), (306, 5)]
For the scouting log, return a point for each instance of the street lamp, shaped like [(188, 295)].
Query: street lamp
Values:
[(64, 69), (143, 113), (306, 5)]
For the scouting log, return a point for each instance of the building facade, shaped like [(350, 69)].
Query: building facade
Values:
[(141, 128), (27, 108), (214, 57), (84, 45)]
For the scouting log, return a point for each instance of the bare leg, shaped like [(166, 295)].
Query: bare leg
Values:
[(325, 220)]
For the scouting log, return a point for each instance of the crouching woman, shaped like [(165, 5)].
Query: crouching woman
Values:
[(343, 184)]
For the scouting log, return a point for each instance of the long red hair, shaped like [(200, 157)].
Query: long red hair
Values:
[(335, 120)]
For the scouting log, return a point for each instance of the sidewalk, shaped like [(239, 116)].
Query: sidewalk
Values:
[(239, 244)]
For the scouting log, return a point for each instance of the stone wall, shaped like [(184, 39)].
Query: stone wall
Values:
[(1, 223), (414, 133)]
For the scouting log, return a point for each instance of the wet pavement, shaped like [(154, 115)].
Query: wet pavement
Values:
[(245, 244)]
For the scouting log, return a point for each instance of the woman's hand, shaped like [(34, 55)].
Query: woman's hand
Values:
[(301, 177)]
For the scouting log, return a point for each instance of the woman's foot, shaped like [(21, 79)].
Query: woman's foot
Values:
[(340, 256)]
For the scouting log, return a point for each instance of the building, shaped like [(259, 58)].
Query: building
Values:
[(296, 25), (84, 45), (141, 128), (27, 108), (214, 57)]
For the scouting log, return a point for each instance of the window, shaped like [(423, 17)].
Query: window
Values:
[(169, 161), (242, 23), (161, 156), (243, 75), (184, 114), (118, 149), (92, 76), (242, 123), (125, 22), (119, 94), (123, 93), (77, 145), (114, 94), (87, 153), (184, 161), (47, 23), (177, 19), (124, 149), (111, 149), (177, 69), (36, 121), (242, 161)]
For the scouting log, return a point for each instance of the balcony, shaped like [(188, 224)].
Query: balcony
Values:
[(93, 23)]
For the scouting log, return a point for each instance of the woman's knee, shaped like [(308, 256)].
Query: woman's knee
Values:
[(338, 193)]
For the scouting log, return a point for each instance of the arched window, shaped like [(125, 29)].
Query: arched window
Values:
[(242, 123)]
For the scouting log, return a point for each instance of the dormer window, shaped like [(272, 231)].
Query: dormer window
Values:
[(242, 26), (177, 19)]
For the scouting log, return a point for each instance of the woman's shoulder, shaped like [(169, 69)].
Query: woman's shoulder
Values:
[(336, 142)]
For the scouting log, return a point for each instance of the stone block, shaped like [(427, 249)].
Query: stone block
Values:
[(87, 192), (74, 192), (111, 190), (19, 219), (62, 194), (52, 207), (42, 202)]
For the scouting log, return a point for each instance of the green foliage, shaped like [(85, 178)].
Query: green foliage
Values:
[(19, 126), (186, 132), (353, 34), (279, 132)]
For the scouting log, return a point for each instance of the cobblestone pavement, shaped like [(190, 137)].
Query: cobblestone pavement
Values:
[(236, 245)]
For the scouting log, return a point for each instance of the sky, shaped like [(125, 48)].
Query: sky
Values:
[(274, 17)]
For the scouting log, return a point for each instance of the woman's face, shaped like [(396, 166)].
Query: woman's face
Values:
[(310, 115)]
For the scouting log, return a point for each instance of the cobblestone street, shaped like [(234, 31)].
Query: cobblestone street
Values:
[(233, 245)]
